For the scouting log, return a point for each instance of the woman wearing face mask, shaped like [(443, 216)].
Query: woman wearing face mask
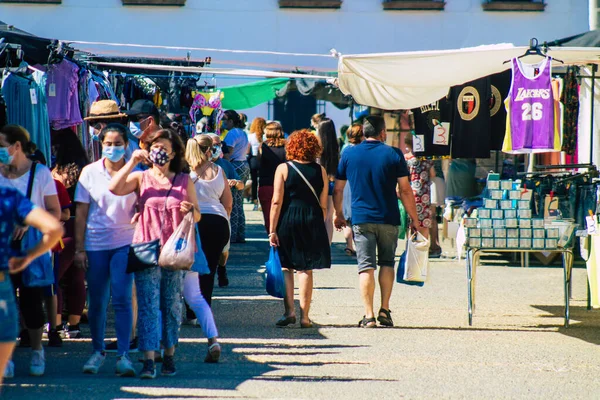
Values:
[(166, 195), (237, 141), (103, 235), (15, 173)]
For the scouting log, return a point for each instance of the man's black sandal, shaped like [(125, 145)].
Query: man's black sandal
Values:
[(367, 323), (387, 319)]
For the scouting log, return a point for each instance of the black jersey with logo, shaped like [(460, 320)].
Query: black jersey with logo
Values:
[(432, 125), (500, 87), (471, 122)]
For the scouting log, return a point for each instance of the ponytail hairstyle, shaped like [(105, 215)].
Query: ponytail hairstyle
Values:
[(234, 117), (196, 149), (16, 133)]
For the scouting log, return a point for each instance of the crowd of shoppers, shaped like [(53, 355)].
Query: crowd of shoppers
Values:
[(141, 189)]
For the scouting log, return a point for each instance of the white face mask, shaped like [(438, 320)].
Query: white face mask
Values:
[(217, 154)]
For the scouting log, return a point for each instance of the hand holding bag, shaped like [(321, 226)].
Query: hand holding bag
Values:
[(178, 252), (414, 262), (275, 279)]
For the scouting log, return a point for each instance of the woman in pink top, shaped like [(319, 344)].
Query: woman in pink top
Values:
[(166, 195)]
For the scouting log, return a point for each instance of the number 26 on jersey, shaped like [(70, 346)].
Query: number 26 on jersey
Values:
[(532, 111)]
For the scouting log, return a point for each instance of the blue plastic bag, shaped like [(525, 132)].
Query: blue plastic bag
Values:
[(200, 263), (275, 279), (39, 273)]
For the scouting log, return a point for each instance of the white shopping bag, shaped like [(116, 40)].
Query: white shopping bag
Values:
[(415, 261)]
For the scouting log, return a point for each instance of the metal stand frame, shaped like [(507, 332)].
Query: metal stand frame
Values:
[(473, 260)]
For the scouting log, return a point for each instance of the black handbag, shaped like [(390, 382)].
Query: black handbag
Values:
[(145, 255)]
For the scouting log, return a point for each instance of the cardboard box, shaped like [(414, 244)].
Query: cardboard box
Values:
[(525, 243), (487, 233), (524, 213), (512, 243), (551, 243), (475, 242), (514, 195), (498, 223), (512, 213), (539, 233), (496, 194), (491, 204), (512, 222), (500, 243), (487, 242), (525, 223), (474, 233), (537, 222), (525, 233), (512, 233), (484, 213), (493, 185), (506, 184), (485, 223), (500, 233), (470, 222), (552, 233), (523, 205), (497, 214), (506, 204), (539, 243), (493, 176)]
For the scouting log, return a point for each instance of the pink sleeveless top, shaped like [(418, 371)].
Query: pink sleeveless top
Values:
[(156, 221)]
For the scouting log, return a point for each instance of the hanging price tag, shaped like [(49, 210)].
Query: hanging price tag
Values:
[(33, 95), (52, 90), (418, 143), (441, 132)]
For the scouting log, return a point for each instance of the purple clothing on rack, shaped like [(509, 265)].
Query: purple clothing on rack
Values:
[(62, 93)]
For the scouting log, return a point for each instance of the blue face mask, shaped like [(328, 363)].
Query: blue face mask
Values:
[(93, 135), (217, 151), (113, 153), (5, 157), (135, 129)]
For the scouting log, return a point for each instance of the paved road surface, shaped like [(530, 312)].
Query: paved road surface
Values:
[(517, 347)]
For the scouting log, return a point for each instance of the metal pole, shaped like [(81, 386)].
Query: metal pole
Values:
[(594, 69)]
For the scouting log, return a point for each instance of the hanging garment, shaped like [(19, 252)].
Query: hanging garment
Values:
[(63, 94), (432, 129), (584, 147), (570, 101), (532, 113), (26, 106), (500, 88), (470, 127)]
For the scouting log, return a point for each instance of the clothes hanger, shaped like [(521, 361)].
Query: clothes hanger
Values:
[(535, 50)]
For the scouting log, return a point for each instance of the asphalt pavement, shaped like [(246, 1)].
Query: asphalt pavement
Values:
[(517, 347)]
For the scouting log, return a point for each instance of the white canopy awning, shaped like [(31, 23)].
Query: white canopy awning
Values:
[(400, 81)]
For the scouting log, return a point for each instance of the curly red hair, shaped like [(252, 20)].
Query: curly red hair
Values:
[(303, 145)]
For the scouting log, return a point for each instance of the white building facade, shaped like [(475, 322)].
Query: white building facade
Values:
[(351, 26)]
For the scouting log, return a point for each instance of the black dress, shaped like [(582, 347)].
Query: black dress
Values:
[(303, 240)]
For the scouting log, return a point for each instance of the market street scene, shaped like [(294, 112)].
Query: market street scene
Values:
[(299, 199)]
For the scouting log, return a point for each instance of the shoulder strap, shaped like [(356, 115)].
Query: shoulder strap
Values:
[(305, 180), (31, 177)]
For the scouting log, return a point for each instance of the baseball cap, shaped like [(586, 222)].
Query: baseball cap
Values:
[(104, 109), (142, 107)]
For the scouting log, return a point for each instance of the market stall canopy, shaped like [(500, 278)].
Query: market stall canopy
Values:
[(320, 89), (588, 39), (35, 48), (250, 95), (400, 81)]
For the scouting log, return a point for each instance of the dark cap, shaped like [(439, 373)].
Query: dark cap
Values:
[(142, 107)]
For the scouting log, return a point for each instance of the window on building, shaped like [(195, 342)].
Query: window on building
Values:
[(32, 1), (154, 2), (514, 5), (332, 4), (413, 4)]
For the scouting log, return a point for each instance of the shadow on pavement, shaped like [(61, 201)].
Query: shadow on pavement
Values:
[(587, 329)]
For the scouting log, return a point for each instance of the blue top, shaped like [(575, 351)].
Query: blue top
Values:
[(14, 208), (237, 140), (372, 169), (228, 169)]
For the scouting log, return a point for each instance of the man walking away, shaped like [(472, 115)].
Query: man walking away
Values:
[(378, 176)]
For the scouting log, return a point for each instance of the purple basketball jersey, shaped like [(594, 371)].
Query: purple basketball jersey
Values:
[(530, 104)]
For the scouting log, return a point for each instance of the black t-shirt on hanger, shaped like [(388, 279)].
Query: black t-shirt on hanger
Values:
[(432, 125), (500, 86), (471, 122)]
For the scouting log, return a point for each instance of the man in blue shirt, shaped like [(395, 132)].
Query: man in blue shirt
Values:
[(378, 176)]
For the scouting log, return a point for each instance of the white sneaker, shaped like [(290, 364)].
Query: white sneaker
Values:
[(94, 363), (125, 367), (38, 363), (9, 372)]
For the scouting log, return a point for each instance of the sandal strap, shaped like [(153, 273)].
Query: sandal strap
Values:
[(386, 312), (365, 321)]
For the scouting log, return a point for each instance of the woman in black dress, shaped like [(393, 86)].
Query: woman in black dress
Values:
[(298, 212)]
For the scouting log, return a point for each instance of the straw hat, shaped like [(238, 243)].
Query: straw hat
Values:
[(105, 109)]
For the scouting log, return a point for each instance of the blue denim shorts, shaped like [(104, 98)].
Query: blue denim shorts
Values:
[(9, 316)]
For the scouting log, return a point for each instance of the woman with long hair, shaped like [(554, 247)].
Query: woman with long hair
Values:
[(255, 137), (298, 210), (355, 136), (272, 153), (103, 236), (237, 142), (166, 194), (34, 181), (330, 157)]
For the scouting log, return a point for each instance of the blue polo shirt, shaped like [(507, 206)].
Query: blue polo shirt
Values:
[(372, 169), (14, 208)]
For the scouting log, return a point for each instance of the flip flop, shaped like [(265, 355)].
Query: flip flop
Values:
[(285, 321)]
